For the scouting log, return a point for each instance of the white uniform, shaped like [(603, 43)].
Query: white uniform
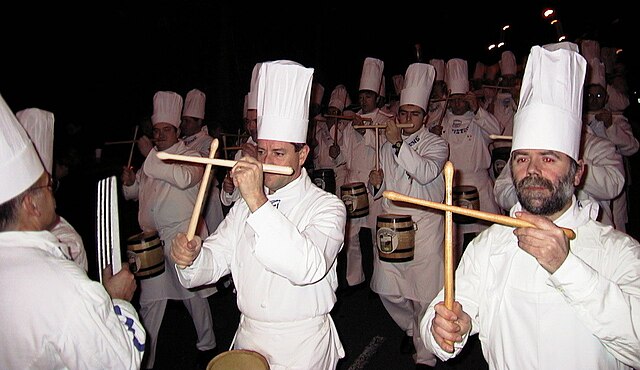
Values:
[(621, 135), (167, 194), (282, 258), (321, 158), (504, 109), (468, 138), (602, 182), (54, 317), (360, 156), (226, 198), (212, 209), (436, 110), (583, 316), (406, 288), (74, 247)]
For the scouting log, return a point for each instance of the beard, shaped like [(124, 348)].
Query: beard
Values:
[(536, 202)]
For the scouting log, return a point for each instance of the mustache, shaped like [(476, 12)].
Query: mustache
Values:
[(531, 181)]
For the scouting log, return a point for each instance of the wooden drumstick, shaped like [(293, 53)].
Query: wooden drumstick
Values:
[(377, 149), (491, 217), (271, 168), (133, 144), (449, 285), (195, 216), (399, 125), (500, 137)]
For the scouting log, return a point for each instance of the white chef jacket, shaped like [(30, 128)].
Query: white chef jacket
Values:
[(226, 198), (166, 193), (74, 248), (583, 316), (436, 109), (282, 258), (468, 138), (54, 317), (602, 182), (417, 172)]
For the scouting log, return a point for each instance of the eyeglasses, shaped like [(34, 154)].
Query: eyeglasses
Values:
[(598, 95), (48, 185)]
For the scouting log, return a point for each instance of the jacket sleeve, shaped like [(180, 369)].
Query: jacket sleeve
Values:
[(179, 174), (426, 166), (503, 190)]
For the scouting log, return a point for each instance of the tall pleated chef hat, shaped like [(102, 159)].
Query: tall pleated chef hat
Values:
[(167, 108), (284, 93), (252, 102), (418, 81), (20, 165), (590, 49), (398, 83), (508, 65), (339, 98), (383, 88), (491, 72), (457, 76), (371, 77), (596, 73), (438, 64), (38, 124), (317, 93), (550, 109), (478, 73), (194, 104)]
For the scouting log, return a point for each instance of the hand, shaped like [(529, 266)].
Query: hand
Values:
[(437, 130), (605, 116), (449, 325), (248, 177), (546, 242), (227, 184), (145, 145), (249, 149), (128, 176), (334, 151), (392, 132), (183, 251), (121, 285), (376, 178), (358, 121)]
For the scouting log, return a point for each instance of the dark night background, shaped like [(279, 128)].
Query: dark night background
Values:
[(98, 64)]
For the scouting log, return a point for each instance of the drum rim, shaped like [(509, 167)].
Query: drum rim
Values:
[(152, 234), (254, 355)]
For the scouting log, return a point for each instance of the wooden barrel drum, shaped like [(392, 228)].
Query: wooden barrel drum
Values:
[(465, 196), (145, 255), (396, 236), (354, 196), (238, 359), (499, 158), (325, 179)]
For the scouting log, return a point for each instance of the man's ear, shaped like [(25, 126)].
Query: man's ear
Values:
[(302, 155), (30, 205), (579, 172)]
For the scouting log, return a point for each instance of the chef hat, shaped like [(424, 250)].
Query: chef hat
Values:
[(398, 83), (491, 72), (418, 82), (252, 103), (339, 98), (244, 107), (20, 165), (608, 57), (284, 92), (194, 104), (438, 64), (596, 73), (507, 63), (38, 124), (550, 109), (167, 107), (478, 73), (590, 49), (457, 76), (317, 93), (371, 77)]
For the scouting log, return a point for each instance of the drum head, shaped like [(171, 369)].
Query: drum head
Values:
[(238, 359)]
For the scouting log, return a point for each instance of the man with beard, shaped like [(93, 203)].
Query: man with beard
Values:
[(537, 299)]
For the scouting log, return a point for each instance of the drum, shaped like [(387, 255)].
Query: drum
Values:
[(396, 236), (238, 359), (145, 255), (499, 158), (354, 196), (325, 179), (465, 196)]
